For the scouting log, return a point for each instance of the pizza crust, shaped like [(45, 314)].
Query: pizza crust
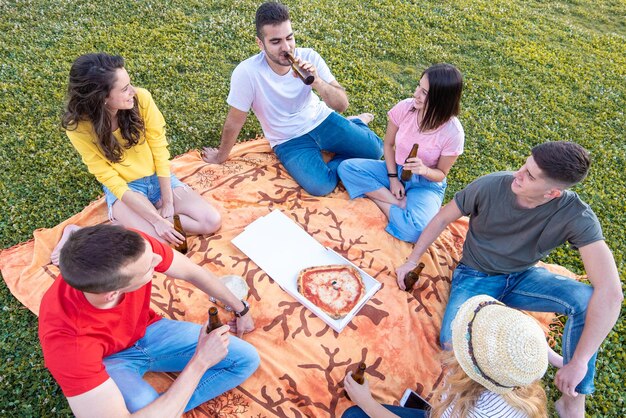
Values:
[(335, 289)]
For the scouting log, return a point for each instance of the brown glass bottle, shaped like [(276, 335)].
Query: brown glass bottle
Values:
[(412, 277), (358, 376), (182, 247), (306, 77), (214, 320), (406, 174)]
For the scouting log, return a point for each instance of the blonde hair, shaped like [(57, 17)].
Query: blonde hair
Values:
[(460, 393)]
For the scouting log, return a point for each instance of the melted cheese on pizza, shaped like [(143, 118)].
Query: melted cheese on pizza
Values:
[(335, 290)]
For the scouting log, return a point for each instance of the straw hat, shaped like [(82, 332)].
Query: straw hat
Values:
[(499, 347)]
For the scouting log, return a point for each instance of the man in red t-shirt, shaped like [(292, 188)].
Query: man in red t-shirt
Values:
[(99, 335)]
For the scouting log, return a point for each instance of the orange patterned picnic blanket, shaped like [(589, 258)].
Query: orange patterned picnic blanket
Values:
[(303, 361)]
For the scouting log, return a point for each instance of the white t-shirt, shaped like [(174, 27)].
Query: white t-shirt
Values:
[(284, 105), (490, 405)]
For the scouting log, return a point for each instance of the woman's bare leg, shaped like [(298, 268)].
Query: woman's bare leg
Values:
[(127, 217), (197, 215)]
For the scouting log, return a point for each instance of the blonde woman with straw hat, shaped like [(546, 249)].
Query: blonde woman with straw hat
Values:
[(499, 356)]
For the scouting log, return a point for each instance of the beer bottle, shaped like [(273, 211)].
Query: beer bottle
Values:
[(358, 376), (412, 277), (406, 174), (182, 247), (306, 77), (214, 320)]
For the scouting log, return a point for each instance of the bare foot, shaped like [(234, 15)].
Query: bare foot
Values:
[(366, 118), (555, 358), (570, 407), (54, 257)]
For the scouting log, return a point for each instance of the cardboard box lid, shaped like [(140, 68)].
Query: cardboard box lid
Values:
[(282, 249)]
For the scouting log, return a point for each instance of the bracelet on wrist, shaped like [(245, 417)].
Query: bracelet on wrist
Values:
[(392, 174)]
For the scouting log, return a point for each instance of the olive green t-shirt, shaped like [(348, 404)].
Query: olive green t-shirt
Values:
[(506, 238)]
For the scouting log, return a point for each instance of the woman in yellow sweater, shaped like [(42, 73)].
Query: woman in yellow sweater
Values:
[(120, 134)]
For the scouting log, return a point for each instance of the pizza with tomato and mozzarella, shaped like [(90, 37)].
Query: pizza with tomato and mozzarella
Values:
[(335, 289)]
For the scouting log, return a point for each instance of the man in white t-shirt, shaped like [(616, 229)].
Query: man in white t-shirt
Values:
[(298, 125)]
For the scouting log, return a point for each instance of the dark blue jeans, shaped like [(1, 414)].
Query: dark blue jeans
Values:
[(356, 412), (302, 155), (534, 289)]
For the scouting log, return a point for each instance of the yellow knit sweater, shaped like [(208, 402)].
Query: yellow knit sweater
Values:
[(149, 156)]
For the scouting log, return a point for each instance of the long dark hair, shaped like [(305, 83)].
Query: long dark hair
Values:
[(92, 77), (444, 95)]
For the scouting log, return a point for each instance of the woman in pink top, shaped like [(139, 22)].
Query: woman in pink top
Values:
[(429, 120)]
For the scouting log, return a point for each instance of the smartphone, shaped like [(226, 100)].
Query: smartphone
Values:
[(412, 400)]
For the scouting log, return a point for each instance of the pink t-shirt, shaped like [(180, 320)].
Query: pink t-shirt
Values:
[(447, 140)]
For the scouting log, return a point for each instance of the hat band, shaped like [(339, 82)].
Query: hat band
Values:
[(471, 347)]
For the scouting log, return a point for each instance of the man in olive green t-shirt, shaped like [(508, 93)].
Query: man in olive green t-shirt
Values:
[(515, 220)]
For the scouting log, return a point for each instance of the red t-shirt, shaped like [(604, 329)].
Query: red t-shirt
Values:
[(76, 336)]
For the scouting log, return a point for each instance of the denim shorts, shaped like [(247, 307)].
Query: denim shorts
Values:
[(147, 186)]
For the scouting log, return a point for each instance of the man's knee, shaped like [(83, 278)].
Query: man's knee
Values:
[(579, 299), (321, 188), (575, 295), (247, 357), (373, 149), (140, 400), (252, 361)]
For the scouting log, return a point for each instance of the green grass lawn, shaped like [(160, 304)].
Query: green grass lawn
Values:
[(534, 71)]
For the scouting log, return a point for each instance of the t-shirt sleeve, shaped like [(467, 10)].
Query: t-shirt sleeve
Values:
[(586, 230), (241, 92), (468, 199), (322, 68), (162, 249), (154, 123), (76, 368), (453, 145), (397, 113)]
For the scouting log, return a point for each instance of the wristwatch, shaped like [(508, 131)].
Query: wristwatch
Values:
[(246, 308)]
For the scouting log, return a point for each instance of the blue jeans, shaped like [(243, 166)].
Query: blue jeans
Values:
[(534, 289), (302, 156), (423, 197), (168, 346), (356, 412)]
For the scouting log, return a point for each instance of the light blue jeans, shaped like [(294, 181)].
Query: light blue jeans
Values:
[(302, 156), (147, 186), (423, 197), (356, 412), (168, 346), (534, 289)]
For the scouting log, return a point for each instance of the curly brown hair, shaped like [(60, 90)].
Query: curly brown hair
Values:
[(92, 77)]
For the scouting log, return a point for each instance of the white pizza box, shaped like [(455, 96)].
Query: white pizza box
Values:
[(282, 249)]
